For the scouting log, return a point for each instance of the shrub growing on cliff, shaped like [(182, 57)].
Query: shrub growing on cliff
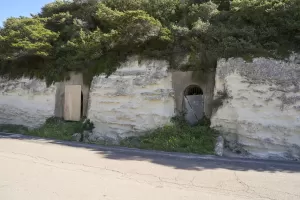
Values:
[(93, 36), (178, 137)]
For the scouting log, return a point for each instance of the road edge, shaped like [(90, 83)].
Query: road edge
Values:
[(175, 155)]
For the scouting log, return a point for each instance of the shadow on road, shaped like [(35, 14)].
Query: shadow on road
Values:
[(176, 160)]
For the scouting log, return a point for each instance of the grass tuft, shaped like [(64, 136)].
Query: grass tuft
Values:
[(54, 128), (178, 137)]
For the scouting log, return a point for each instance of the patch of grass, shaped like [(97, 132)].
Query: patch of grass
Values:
[(54, 128), (57, 129), (178, 137)]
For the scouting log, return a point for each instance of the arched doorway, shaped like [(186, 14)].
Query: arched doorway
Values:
[(193, 104)]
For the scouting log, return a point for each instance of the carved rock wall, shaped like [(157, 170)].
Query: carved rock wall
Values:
[(26, 102), (258, 106), (137, 97)]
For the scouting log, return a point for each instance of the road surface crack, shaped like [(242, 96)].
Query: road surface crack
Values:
[(249, 190)]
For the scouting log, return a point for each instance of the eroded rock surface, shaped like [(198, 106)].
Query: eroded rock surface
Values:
[(259, 106), (137, 97), (26, 102)]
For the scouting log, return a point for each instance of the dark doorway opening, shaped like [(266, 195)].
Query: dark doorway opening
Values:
[(81, 108), (193, 90)]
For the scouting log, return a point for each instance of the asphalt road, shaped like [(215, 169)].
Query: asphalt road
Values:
[(38, 169)]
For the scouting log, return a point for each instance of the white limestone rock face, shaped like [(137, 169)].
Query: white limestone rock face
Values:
[(26, 102), (260, 109), (137, 97)]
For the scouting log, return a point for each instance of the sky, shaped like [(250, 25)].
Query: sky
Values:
[(16, 8)]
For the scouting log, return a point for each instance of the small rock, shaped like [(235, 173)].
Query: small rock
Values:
[(86, 136), (76, 137), (219, 148)]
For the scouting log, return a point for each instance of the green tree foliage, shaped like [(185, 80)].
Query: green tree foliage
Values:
[(37, 41), (94, 37)]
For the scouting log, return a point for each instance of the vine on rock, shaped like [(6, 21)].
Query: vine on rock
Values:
[(94, 37)]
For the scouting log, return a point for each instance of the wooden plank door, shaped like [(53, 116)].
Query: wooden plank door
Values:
[(72, 107)]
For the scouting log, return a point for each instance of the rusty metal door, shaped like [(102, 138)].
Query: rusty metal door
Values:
[(194, 108)]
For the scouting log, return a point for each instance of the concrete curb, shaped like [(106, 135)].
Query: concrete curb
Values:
[(139, 152)]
